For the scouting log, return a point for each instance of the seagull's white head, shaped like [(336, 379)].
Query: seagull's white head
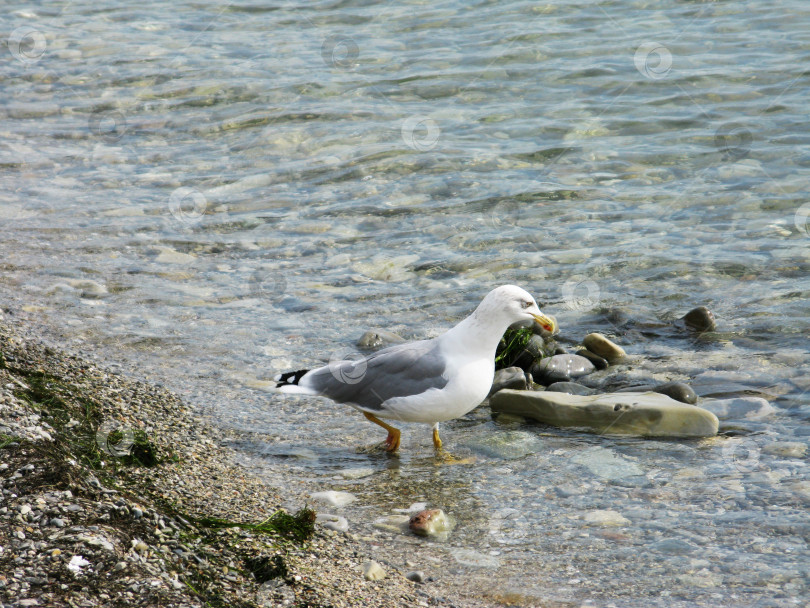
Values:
[(510, 305)]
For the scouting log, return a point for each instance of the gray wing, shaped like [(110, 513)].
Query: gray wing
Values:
[(396, 371)]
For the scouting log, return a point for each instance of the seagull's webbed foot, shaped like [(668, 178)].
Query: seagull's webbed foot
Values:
[(392, 441), (445, 457), (442, 455)]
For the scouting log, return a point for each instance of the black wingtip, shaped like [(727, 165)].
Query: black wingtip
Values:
[(289, 378)]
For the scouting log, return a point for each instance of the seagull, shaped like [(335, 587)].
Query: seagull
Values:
[(428, 381)]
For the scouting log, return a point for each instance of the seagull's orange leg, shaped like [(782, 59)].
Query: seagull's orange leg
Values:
[(392, 441), (437, 442), (445, 457)]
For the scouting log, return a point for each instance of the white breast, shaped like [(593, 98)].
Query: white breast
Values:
[(470, 381)]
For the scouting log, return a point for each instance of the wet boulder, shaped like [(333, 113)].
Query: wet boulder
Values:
[(646, 414)]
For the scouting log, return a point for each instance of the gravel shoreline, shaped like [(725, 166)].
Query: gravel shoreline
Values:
[(112, 493)]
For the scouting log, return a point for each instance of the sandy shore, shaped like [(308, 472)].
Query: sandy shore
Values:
[(113, 494)]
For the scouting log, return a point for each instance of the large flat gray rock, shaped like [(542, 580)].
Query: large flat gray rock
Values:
[(646, 414)]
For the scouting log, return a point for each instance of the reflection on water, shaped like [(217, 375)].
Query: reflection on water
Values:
[(215, 193)]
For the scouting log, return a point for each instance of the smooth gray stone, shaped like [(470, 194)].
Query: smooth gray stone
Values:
[(377, 338), (535, 349), (572, 388), (417, 576), (674, 546), (599, 363), (646, 414), (536, 346), (699, 319), (677, 390), (561, 368), (509, 377)]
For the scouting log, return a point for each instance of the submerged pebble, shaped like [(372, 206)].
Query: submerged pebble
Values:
[(334, 498), (507, 445), (379, 338), (786, 449), (739, 408), (605, 518), (430, 522), (332, 522)]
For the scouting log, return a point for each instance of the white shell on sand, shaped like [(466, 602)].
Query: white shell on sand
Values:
[(646, 414)]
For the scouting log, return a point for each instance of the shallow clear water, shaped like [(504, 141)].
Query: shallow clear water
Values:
[(216, 192)]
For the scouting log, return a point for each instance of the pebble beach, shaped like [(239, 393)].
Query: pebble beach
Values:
[(83, 525)]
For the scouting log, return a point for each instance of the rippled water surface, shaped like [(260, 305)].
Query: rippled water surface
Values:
[(214, 192)]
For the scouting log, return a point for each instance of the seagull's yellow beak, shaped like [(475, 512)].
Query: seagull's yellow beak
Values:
[(546, 322)]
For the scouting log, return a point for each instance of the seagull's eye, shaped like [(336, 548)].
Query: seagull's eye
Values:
[(527, 304)]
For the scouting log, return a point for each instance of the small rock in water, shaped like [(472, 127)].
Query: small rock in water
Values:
[(699, 319), (677, 390), (356, 472), (430, 522), (334, 498), (605, 518), (600, 345), (476, 559), (572, 388), (561, 368), (332, 522), (509, 377), (507, 445), (606, 463), (392, 523), (674, 546), (417, 576), (786, 449), (372, 571), (739, 408), (377, 338), (599, 363)]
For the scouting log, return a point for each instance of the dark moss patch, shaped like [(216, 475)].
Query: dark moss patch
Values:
[(77, 420), (143, 453), (267, 567), (206, 589)]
